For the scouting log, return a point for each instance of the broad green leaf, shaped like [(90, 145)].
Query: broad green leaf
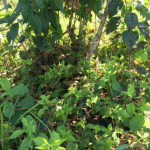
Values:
[(9, 37), (16, 134), (27, 102), (40, 3), (58, 142), (131, 89), (70, 138), (100, 142), (16, 116), (26, 143), (43, 147), (54, 136), (130, 9), (40, 41), (72, 146), (131, 20), (141, 70), (24, 121), (116, 86), (145, 108), (144, 85), (26, 12), (113, 24), (39, 141), (90, 126), (14, 31), (52, 18), (31, 119), (114, 6), (6, 7), (19, 90), (130, 38), (59, 4), (123, 11), (35, 22), (140, 7), (124, 113), (28, 62), (61, 148), (12, 18), (21, 39), (95, 5), (144, 29), (20, 5), (144, 57), (8, 109), (136, 122), (41, 112), (131, 108), (5, 83), (122, 147)]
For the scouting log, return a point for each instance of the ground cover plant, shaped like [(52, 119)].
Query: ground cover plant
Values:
[(74, 75)]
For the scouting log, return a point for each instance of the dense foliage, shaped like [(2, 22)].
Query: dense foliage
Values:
[(52, 97)]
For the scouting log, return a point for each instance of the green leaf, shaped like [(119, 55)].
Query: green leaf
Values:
[(70, 138), (16, 116), (122, 147), (12, 34), (123, 11), (5, 83), (43, 147), (27, 102), (114, 6), (39, 141), (12, 18), (95, 5), (131, 108), (130, 38), (20, 5), (144, 57), (145, 108), (58, 142), (40, 41), (41, 112), (19, 90), (8, 109), (9, 37), (144, 29), (136, 122), (35, 23), (113, 24), (144, 85), (54, 136), (28, 62), (59, 4), (116, 86), (131, 20), (26, 143), (6, 7), (24, 121), (141, 70), (72, 146), (40, 3), (21, 39), (140, 7), (16, 134), (52, 18), (131, 89), (130, 9)]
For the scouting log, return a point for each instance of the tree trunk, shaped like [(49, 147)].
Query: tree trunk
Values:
[(5, 4), (99, 33)]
